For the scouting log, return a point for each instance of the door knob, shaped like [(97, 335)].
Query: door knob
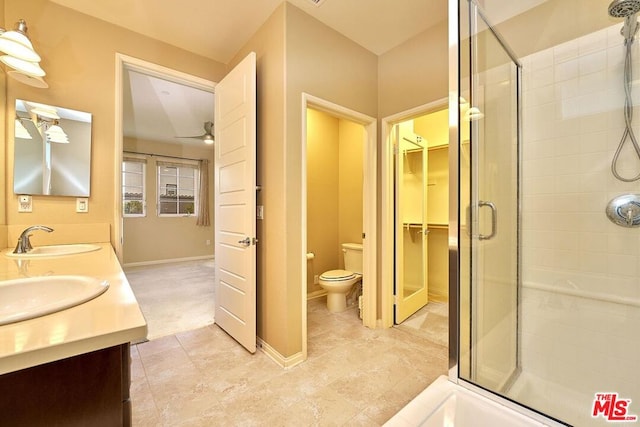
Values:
[(245, 242)]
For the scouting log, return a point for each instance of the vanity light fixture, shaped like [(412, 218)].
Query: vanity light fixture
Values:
[(20, 55), (55, 133), (43, 110), (21, 131)]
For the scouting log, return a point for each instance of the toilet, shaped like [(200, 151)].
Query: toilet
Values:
[(338, 283)]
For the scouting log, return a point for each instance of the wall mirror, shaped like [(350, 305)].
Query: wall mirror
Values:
[(52, 154)]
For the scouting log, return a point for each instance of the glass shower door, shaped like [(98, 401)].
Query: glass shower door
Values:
[(489, 209)]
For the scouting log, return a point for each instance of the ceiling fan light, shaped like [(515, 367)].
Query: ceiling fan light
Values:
[(208, 139)]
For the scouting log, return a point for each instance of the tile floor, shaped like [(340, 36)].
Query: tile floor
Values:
[(353, 376)]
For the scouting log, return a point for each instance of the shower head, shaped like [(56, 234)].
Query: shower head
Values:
[(624, 8)]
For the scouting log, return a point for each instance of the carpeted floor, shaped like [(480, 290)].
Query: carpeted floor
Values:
[(174, 297)]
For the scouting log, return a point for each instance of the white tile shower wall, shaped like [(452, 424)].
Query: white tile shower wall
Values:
[(572, 123)]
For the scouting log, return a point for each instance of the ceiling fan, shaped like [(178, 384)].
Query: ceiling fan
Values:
[(207, 137)]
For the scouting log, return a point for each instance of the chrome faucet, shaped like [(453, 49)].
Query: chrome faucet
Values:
[(24, 245)]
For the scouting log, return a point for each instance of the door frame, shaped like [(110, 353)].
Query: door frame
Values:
[(387, 223), (369, 288), (130, 63)]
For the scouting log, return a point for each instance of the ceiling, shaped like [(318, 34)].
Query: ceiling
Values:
[(159, 110), (217, 29)]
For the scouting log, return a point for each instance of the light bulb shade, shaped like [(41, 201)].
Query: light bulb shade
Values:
[(29, 68), (21, 131), (45, 111), (56, 134), (18, 45), (58, 139), (208, 139), (55, 130), (28, 80)]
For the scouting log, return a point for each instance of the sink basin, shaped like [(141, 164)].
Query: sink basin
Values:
[(55, 250), (23, 299)]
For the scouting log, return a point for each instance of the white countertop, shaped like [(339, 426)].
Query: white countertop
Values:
[(112, 318)]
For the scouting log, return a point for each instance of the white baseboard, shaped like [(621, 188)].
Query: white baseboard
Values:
[(168, 261), (285, 362), (316, 294)]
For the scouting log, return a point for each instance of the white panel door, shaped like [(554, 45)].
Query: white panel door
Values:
[(411, 284), (235, 203)]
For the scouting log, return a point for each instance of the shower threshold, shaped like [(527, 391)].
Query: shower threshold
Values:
[(444, 403)]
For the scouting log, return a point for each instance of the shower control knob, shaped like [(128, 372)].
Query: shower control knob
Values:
[(625, 210)]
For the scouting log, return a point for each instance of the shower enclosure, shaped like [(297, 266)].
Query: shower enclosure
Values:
[(547, 288)]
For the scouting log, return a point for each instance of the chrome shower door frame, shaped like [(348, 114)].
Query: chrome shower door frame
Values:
[(464, 236)]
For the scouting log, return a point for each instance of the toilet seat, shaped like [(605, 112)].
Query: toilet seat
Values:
[(337, 275)]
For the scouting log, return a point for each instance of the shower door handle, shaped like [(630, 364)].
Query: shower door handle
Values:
[(494, 220)]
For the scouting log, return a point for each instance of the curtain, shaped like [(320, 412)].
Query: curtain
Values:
[(203, 195)]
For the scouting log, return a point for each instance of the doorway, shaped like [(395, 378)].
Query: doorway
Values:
[(158, 241), (415, 218), (362, 219)]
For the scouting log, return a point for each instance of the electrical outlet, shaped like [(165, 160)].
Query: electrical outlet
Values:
[(316, 279), (208, 242), (82, 205), (25, 203)]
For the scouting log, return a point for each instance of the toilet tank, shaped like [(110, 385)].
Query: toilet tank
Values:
[(352, 253)]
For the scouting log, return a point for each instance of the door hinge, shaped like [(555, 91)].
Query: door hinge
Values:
[(364, 235)]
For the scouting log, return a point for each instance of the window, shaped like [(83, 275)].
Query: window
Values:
[(133, 188), (177, 189)]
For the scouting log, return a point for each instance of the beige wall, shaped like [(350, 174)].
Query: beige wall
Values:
[(334, 190), (274, 319), (323, 183), (350, 200), (438, 214), (295, 54), (79, 58), (434, 127), (414, 73), (154, 238), (3, 138), (323, 63)]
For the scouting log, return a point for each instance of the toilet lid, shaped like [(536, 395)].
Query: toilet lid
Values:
[(337, 275)]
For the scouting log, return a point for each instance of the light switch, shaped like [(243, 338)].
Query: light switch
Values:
[(24, 203), (82, 205)]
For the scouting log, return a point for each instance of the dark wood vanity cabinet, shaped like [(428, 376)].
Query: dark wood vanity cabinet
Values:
[(90, 389)]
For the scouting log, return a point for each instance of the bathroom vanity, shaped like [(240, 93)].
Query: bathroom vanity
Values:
[(71, 367)]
